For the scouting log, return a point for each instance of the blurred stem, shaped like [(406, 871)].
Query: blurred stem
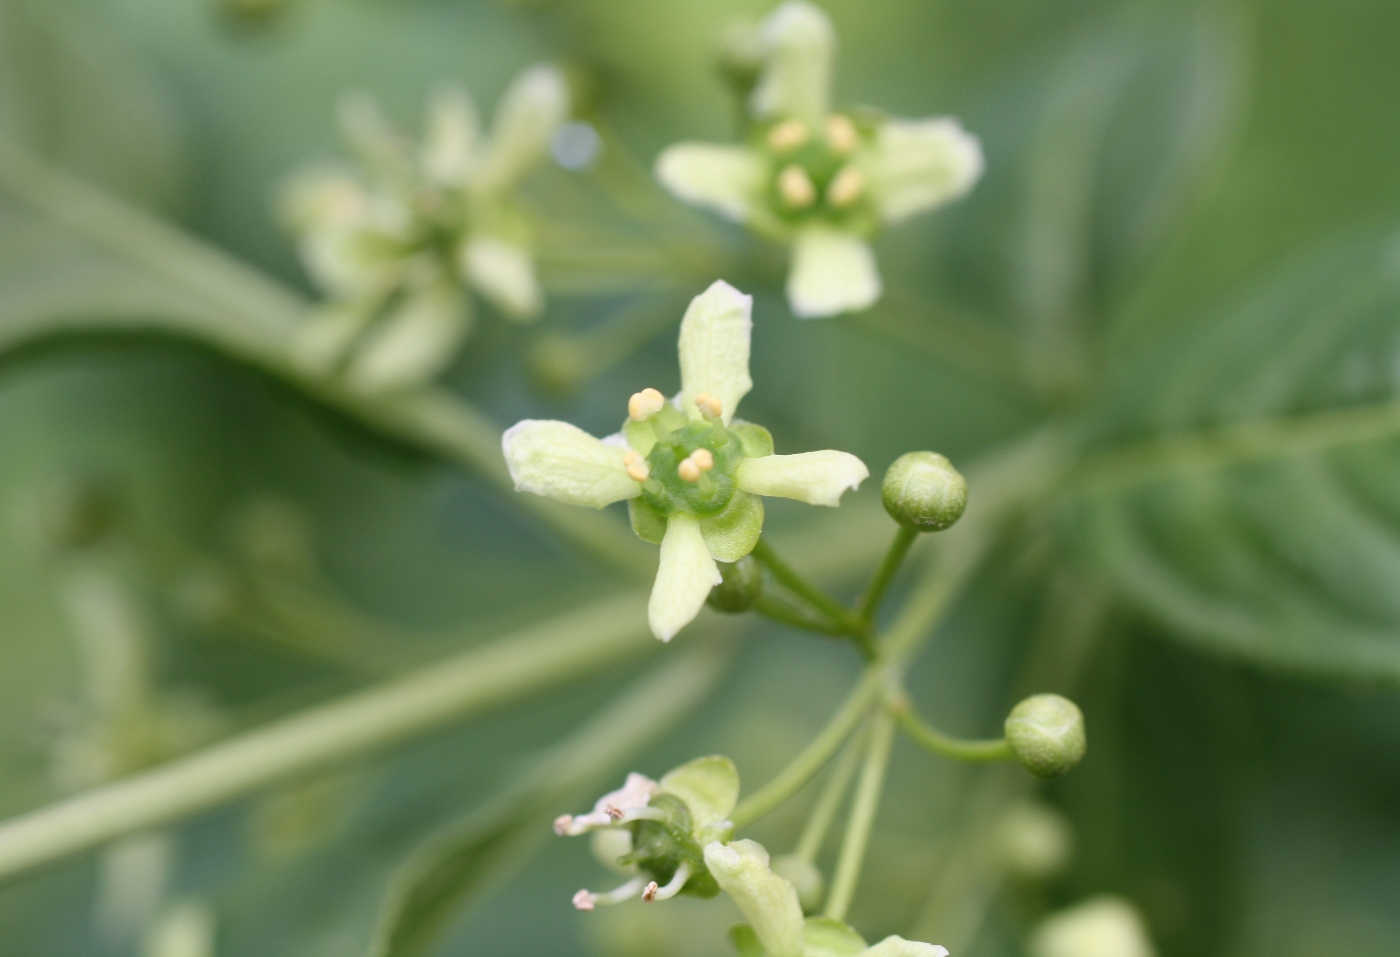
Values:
[(812, 758), (561, 649), (884, 575), (823, 603), (809, 845), (936, 741), (862, 819), (251, 319)]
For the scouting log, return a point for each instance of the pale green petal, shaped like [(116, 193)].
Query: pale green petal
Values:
[(832, 272), (915, 165), (728, 179), (450, 140), (708, 786), (504, 273), (799, 45), (563, 462), (683, 579), (731, 533), (768, 901), (818, 478), (714, 348), (529, 113), (831, 938), (899, 947), (1099, 927), (412, 344)]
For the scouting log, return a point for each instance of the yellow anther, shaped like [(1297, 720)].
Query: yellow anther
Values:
[(788, 136), (710, 406), (846, 187), (795, 187), (689, 471), (643, 405), (703, 458), (636, 467), (841, 135)]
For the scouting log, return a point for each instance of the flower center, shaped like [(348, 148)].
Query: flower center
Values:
[(813, 177), (692, 470)]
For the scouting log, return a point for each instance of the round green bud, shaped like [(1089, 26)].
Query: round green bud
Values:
[(924, 492), (1046, 734), (803, 875), (1034, 841), (740, 587)]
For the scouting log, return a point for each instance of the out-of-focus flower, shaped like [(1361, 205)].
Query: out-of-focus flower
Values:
[(397, 243), (691, 473), (1100, 927), (823, 181)]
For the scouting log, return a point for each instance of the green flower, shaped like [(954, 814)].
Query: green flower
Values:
[(823, 181), (691, 473), (397, 243)]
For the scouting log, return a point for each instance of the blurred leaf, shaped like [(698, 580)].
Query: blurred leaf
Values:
[(1255, 509), (70, 93)]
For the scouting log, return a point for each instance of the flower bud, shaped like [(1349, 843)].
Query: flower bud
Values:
[(1034, 841), (805, 876), (1046, 734), (740, 587), (1100, 927), (924, 492)]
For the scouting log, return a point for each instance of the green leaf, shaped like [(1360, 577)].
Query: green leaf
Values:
[(1252, 506)]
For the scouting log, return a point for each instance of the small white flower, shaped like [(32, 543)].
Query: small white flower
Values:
[(691, 472), (612, 808), (822, 181), (395, 244)]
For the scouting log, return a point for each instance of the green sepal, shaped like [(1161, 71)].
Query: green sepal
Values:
[(745, 941), (649, 526), (731, 533), (709, 787), (825, 937), (756, 440)]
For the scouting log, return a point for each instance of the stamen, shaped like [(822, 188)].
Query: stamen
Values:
[(846, 187), (672, 888), (689, 470), (562, 824), (643, 405), (636, 467), (795, 187), (587, 900), (841, 135), (787, 136), (710, 407), (583, 900), (703, 458)]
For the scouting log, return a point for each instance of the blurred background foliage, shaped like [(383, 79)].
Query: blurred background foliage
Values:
[(1187, 230)]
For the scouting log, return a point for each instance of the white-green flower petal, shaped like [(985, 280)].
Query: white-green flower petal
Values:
[(769, 902), (709, 787), (727, 179), (561, 461), (529, 113), (832, 272), (413, 344), (899, 947), (504, 273), (450, 140), (799, 45), (714, 348), (915, 165), (683, 579), (818, 478)]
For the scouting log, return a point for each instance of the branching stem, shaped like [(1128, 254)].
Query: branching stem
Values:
[(819, 600), (809, 845)]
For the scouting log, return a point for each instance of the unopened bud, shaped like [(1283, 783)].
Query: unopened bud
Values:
[(924, 492), (1034, 841), (805, 876), (740, 586), (1099, 927), (1046, 734)]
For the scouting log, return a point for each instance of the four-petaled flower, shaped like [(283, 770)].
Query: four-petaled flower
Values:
[(678, 836), (396, 245), (691, 473), (823, 181)]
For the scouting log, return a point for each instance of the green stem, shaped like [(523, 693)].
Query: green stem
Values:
[(811, 759), (779, 609), (958, 749), (884, 575), (809, 845), (511, 667), (862, 819), (814, 596)]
